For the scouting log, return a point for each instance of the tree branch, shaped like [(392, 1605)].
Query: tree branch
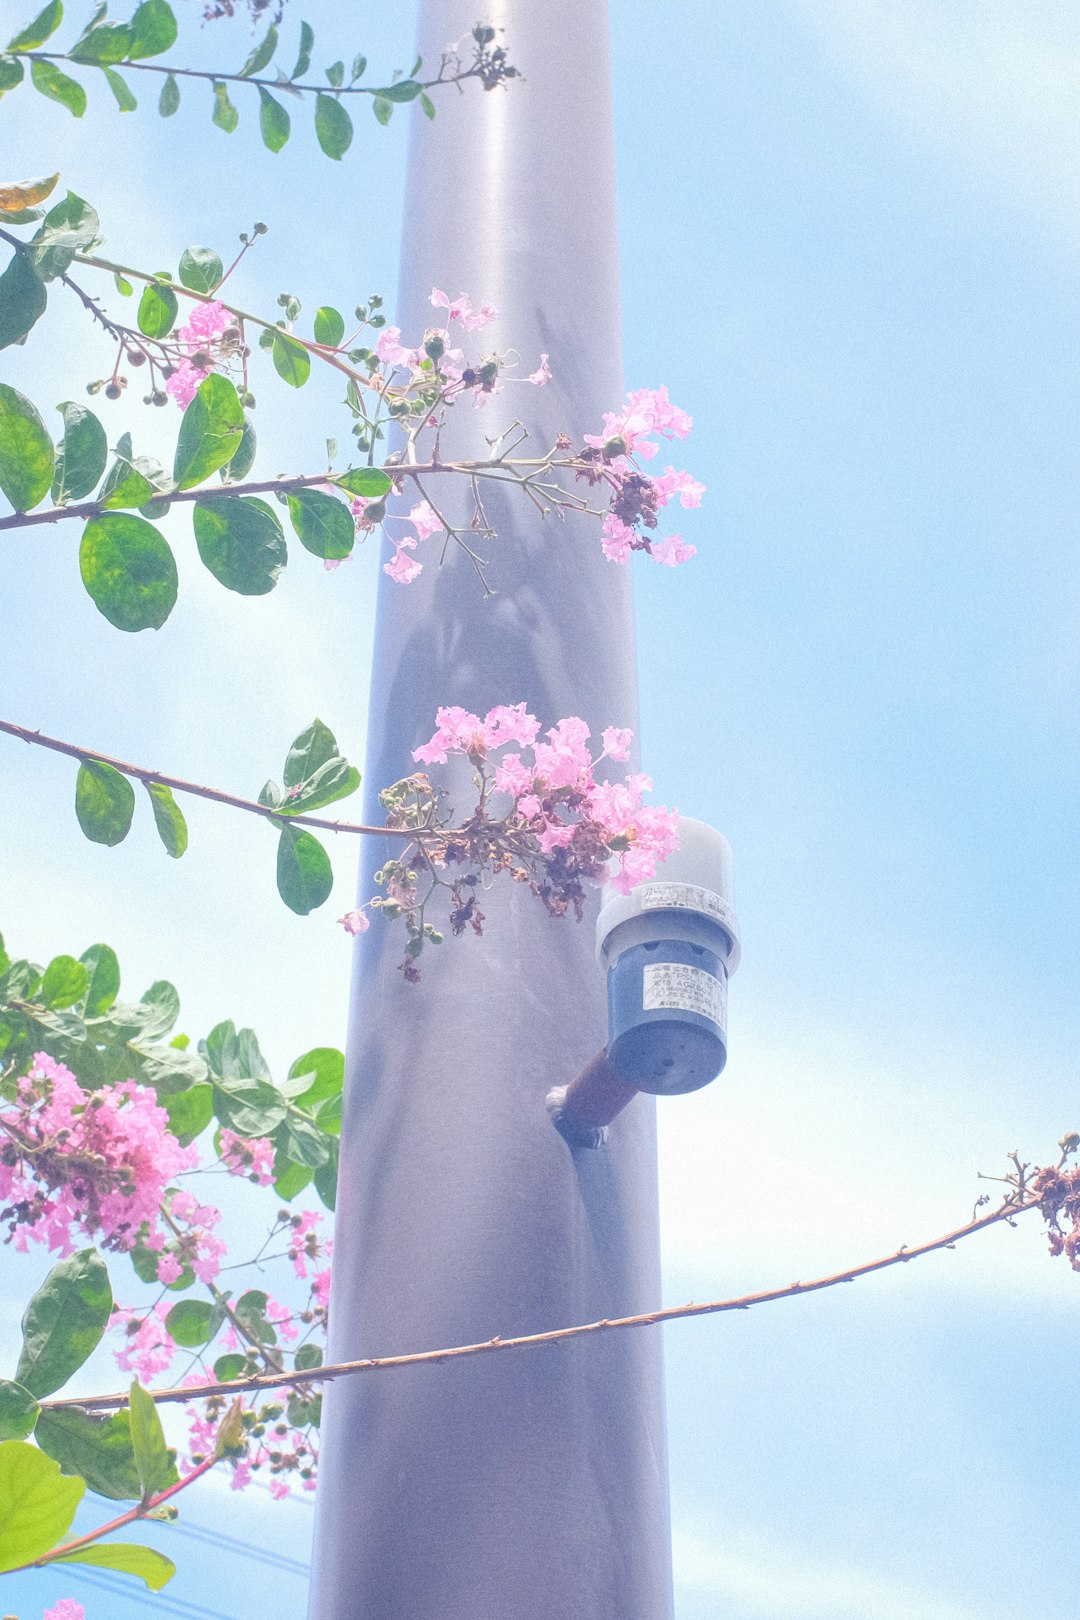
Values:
[(1013, 1206)]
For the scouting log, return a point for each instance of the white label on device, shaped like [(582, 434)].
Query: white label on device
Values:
[(684, 897), (677, 986)]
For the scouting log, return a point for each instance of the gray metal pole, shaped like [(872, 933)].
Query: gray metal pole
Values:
[(531, 1485)]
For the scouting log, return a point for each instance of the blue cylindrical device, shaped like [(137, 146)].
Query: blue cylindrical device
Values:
[(669, 947)]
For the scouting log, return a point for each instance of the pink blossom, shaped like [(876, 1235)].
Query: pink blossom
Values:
[(555, 835), (617, 742), (241, 1478), (149, 1347), (671, 483), (205, 323), (456, 730), (653, 406), (423, 518), (66, 1609), (510, 722), (390, 351), (565, 759), (616, 538), (355, 922), (250, 1156), (282, 1316), (402, 568), (513, 776), (542, 374), (320, 1287), (672, 550), (279, 1488), (460, 309), (183, 385), (169, 1268)]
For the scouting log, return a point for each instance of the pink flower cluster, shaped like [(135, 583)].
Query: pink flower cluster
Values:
[(66, 1609), (148, 1347), (91, 1162), (636, 500), (555, 793), (305, 1244), (207, 322), (248, 1156)]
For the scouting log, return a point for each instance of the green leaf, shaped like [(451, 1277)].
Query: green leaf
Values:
[(104, 803), (370, 483), (234, 1054), (333, 126), (26, 451), (22, 300), (262, 53), (97, 1449), (104, 970), (307, 1357), (42, 28), (274, 122), (324, 1070), (18, 1411), (125, 100), (129, 1557), (132, 480), (163, 1009), (70, 227), (12, 73), (329, 326), (37, 1503), (64, 1322), (328, 1116), (314, 746), (81, 454), (153, 1459), (191, 1323), (359, 68), (128, 570), (303, 60), (403, 90), (326, 1178), (250, 1308), (250, 1107), (302, 1142), (107, 43), (209, 433), (241, 463), (47, 77), (158, 309), (324, 525), (291, 359), (153, 29), (168, 818), (336, 74), (227, 1368), (190, 1112), (225, 115), (428, 106), (169, 100), (123, 285), (200, 269), (289, 1178), (304, 874), (241, 542), (65, 983), (383, 109)]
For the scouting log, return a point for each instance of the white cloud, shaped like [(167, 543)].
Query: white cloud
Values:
[(769, 1580)]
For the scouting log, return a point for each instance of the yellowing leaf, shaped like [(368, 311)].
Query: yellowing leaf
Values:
[(22, 194)]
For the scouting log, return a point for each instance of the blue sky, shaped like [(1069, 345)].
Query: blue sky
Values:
[(850, 247)]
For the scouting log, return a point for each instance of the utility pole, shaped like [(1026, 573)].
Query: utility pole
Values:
[(533, 1485)]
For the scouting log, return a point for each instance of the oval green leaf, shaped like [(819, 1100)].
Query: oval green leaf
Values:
[(168, 818), (22, 300), (27, 458), (129, 1557), (121, 90), (241, 463), (323, 524), (329, 326), (291, 359), (43, 26), (153, 29), (47, 77), (104, 803), (190, 1112), (200, 269), (81, 455), (37, 1503), (191, 1323), (158, 309), (128, 570), (107, 43), (273, 121), (169, 100), (241, 542), (303, 59), (333, 126), (153, 1458), (370, 483), (98, 1449), (18, 1411), (304, 874), (70, 227), (210, 432), (262, 53), (64, 1322), (101, 963), (66, 982), (225, 115)]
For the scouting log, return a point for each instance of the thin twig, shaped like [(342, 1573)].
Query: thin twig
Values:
[(39, 740), (344, 1369)]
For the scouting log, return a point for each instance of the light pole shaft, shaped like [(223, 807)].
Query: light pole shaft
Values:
[(530, 1486)]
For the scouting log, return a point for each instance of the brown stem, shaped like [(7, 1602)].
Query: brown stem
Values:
[(139, 1511), (38, 739), (244, 78), (1008, 1211)]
